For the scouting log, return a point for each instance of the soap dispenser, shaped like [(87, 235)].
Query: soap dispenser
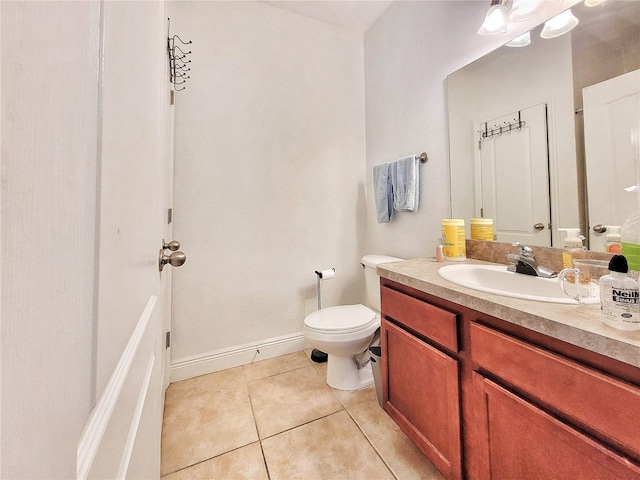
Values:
[(573, 247), (613, 239), (619, 296)]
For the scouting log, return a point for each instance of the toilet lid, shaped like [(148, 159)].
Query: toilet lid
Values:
[(343, 319)]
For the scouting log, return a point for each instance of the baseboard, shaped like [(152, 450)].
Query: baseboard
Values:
[(189, 367)]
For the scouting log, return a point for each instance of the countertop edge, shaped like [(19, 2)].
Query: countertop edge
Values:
[(575, 325)]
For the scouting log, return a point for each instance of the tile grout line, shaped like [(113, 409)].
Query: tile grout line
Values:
[(255, 423), (372, 444), (210, 458)]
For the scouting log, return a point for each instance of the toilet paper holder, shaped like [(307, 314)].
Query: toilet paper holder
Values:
[(327, 274)]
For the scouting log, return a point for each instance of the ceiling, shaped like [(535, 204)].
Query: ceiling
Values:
[(355, 15)]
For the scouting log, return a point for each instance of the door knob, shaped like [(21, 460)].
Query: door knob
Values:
[(173, 245), (539, 226), (175, 259), (599, 228)]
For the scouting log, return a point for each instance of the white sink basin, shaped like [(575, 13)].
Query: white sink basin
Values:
[(498, 280)]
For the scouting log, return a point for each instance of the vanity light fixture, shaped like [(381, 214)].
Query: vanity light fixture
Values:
[(525, 9), (521, 41), (495, 22), (559, 25)]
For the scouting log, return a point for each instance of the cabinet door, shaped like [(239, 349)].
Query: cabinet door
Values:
[(518, 440), (599, 403), (420, 388)]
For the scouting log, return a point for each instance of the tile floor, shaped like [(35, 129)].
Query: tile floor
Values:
[(278, 419)]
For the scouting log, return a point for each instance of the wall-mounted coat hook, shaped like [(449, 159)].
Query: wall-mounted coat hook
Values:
[(178, 60), (497, 130)]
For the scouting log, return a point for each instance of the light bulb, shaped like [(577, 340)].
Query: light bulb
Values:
[(496, 19), (521, 41), (525, 9), (593, 3), (559, 25)]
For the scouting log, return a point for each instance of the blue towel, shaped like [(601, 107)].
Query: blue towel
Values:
[(383, 192), (405, 180)]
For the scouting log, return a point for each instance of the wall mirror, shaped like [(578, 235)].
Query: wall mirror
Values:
[(546, 136)]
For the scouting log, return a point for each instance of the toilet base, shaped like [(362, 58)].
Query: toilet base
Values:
[(344, 374)]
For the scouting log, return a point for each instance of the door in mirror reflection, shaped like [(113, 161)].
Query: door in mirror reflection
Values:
[(512, 184), (612, 150)]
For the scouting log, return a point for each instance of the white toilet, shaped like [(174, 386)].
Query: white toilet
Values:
[(345, 331)]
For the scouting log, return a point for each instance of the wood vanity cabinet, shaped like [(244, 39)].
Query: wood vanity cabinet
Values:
[(487, 399), (421, 376)]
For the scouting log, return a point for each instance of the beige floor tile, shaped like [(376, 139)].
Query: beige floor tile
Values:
[(400, 453), (243, 463), (329, 448), (273, 366), (289, 399), (321, 367), (212, 382), (205, 425), (351, 398)]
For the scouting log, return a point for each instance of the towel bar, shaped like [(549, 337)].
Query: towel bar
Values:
[(423, 157)]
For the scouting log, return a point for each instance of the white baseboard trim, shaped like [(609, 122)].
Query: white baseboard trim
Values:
[(189, 367)]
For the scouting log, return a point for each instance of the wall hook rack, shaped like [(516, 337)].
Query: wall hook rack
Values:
[(498, 130), (178, 60)]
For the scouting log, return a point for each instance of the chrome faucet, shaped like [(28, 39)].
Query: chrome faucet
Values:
[(525, 263)]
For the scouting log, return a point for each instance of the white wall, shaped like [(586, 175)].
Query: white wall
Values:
[(269, 177), (409, 52)]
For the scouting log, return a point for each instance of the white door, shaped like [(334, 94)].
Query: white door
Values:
[(612, 150), (512, 178), (123, 439)]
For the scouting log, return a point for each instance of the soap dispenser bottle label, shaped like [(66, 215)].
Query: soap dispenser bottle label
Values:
[(620, 307)]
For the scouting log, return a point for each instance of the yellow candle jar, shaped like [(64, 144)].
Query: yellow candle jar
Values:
[(482, 229), (454, 245)]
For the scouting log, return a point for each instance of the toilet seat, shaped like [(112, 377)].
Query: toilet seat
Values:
[(342, 319)]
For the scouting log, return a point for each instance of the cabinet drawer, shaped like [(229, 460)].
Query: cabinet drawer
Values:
[(601, 403), (434, 323)]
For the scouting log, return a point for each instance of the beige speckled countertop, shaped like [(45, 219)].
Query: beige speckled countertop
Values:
[(576, 325)]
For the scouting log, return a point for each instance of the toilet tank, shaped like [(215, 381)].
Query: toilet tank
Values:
[(371, 278)]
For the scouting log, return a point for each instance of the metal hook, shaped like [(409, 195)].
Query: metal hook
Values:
[(510, 125), (182, 41), (182, 51)]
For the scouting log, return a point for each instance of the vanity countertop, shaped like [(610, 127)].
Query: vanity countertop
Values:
[(580, 326)]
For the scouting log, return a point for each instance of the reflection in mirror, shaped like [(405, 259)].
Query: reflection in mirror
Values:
[(545, 136)]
